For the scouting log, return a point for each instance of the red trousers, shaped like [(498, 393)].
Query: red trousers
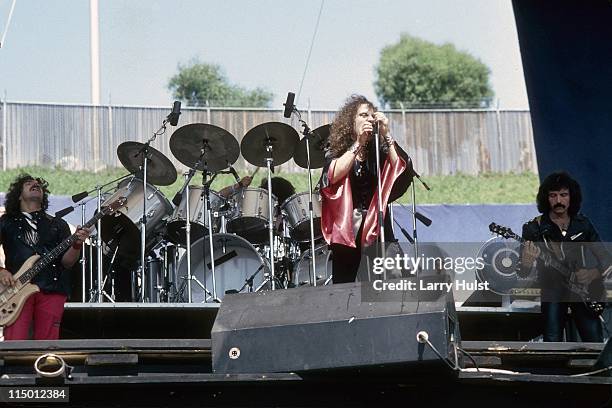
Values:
[(45, 310)]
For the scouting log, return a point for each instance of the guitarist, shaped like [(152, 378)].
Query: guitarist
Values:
[(562, 230), (26, 229)]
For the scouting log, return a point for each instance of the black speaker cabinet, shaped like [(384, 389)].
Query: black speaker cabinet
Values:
[(329, 327)]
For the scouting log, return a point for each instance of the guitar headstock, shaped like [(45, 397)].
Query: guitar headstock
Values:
[(502, 231), (114, 206)]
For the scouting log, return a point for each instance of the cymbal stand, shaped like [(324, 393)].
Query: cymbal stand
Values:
[(269, 165), (99, 244), (190, 276), (83, 260), (208, 212), (308, 136)]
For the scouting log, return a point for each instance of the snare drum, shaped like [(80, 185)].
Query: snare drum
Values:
[(251, 214), (298, 217), (323, 264), (236, 260), (124, 225), (197, 216)]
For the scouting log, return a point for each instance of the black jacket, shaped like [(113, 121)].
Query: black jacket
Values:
[(51, 232), (580, 247)]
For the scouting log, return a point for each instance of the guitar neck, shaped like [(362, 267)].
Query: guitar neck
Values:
[(46, 260), (546, 256)]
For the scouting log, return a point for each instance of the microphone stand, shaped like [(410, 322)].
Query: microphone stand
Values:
[(308, 136), (144, 152), (381, 227)]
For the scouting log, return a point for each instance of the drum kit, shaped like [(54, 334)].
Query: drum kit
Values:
[(204, 244)]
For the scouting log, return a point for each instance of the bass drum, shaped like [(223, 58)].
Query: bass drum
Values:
[(236, 261), (323, 264)]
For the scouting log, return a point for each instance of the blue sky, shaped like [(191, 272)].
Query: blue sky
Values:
[(261, 43)]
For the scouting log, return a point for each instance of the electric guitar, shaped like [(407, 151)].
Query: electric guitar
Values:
[(12, 298), (569, 278)]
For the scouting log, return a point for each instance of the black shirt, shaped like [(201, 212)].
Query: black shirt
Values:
[(15, 231)]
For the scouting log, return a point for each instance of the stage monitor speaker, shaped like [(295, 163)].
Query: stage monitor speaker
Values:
[(328, 327)]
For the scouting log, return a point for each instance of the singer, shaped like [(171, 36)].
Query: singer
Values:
[(349, 181), (26, 229)]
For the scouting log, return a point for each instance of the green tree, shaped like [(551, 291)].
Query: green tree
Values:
[(199, 84), (422, 74)]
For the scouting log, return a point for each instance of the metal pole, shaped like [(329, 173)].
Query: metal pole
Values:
[(381, 227), (4, 127), (310, 210), (94, 51), (83, 257), (270, 215), (99, 246), (187, 197), (143, 229)]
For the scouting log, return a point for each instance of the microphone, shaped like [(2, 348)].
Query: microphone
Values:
[(289, 105), (78, 197), (426, 221), (173, 117), (65, 211), (375, 128)]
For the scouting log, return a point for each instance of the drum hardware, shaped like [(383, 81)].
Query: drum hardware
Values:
[(96, 294), (207, 148), (316, 139), (269, 144), (248, 282)]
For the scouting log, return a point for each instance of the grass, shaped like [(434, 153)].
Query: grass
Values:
[(487, 188)]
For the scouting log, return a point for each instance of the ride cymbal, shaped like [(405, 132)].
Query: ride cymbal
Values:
[(318, 143), (281, 137), (160, 170), (219, 147)]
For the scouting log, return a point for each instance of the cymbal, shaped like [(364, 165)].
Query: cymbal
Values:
[(160, 170), (222, 148), (318, 143), (280, 136)]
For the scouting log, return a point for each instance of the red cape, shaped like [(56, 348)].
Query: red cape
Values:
[(337, 206)]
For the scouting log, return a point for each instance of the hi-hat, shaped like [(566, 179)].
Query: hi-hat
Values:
[(160, 170), (220, 147), (280, 136), (318, 143)]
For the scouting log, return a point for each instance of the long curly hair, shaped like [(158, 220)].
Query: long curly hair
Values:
[(555, 182), (11, 201), (342, 132)]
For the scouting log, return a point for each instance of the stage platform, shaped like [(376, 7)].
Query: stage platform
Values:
[(177, 372)]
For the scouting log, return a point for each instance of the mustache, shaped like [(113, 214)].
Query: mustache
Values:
[(558, 205)]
